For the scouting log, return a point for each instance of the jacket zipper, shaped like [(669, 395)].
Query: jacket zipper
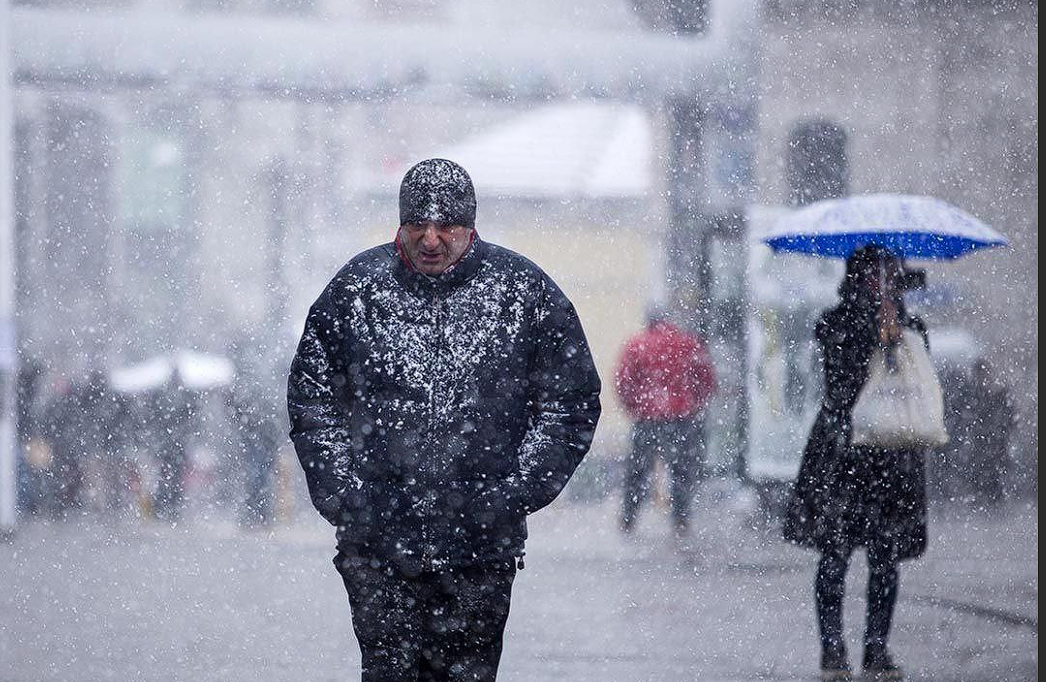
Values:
[(427, 509)]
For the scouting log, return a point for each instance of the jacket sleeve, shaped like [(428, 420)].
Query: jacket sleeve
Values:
[(702, 373), (563, 401), (318, 408)]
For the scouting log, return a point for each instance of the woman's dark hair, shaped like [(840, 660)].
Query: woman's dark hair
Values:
[(859, 265)]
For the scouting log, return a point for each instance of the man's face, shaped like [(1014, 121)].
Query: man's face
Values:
[(434, 247)]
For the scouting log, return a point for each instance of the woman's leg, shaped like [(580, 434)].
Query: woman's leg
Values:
[(882, 597), (829, 589)]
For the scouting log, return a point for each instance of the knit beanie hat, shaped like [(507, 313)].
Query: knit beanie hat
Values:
[(439, 191)]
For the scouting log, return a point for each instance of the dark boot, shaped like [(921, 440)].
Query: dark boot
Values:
[(835, 667), (878, 665)]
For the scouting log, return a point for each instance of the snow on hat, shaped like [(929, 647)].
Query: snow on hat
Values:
[(439, 191)]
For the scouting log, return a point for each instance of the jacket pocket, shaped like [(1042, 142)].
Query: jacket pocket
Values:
[(356, 517), (493, 518)]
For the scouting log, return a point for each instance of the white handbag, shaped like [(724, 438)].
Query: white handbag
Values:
[(901, 405)]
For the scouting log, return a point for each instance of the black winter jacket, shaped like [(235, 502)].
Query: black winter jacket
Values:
[(432, 414)]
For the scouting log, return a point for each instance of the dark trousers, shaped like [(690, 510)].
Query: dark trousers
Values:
[(679, 443), (444, 625), (830, 587)]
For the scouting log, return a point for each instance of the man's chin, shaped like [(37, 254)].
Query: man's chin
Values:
[(431, 269)]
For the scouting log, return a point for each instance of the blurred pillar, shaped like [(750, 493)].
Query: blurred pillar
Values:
[(710, 161), (79, 223), (8, 356), (280, 187), (687, 210)]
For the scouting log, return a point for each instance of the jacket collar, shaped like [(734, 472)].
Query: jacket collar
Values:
[(460, 272)]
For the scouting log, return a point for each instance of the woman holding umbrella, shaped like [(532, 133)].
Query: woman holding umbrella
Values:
[(849, 496)]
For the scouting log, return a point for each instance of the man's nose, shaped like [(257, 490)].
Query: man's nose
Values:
[(431, 237)]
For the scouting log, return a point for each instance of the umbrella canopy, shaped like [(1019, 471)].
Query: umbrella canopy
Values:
[(196, 371), (909, 226)]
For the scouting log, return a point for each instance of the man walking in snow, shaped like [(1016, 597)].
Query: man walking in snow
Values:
[(442, 391), (664, 380)]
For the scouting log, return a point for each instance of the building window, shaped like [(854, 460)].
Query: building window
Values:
[(406, 10), (817, 166), (679, 17), (157, 262)]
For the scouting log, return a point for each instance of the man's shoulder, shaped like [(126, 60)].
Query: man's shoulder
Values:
[(374, 262), (500, 258), (360, 273)]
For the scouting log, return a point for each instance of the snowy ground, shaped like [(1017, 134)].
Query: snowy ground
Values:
[(205, 601)]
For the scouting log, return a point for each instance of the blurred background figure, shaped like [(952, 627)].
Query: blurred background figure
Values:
[(664, 380), (173, 417), (34, 460), (976, 464), (257, 438), (60, 431), (120, 469), (100, 433), (70, 451), (945, 472)]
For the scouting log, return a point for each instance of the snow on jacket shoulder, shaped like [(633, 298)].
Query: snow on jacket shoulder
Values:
[(431, 414)]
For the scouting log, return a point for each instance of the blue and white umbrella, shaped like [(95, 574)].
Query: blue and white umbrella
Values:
[(909, 226)]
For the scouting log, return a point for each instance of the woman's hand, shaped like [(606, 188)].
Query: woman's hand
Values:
[(889, 326)]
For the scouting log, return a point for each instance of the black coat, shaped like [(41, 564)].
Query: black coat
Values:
[(432, 414), (847, 496)]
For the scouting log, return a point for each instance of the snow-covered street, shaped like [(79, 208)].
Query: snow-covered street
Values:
[(207, 601)]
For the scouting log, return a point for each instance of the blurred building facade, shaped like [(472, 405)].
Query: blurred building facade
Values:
[(151, 218), (934, 98)]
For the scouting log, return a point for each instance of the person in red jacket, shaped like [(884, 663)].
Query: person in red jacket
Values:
[(665, 380)]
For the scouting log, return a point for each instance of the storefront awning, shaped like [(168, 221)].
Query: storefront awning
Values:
[(298, 58)]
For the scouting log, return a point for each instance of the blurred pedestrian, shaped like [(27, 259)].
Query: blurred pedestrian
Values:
[(35, 454), (847, 496), (173, 415), (100, 439), (946, 466), (665, 380), (62, 425), (258, 437), (442, 391)]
